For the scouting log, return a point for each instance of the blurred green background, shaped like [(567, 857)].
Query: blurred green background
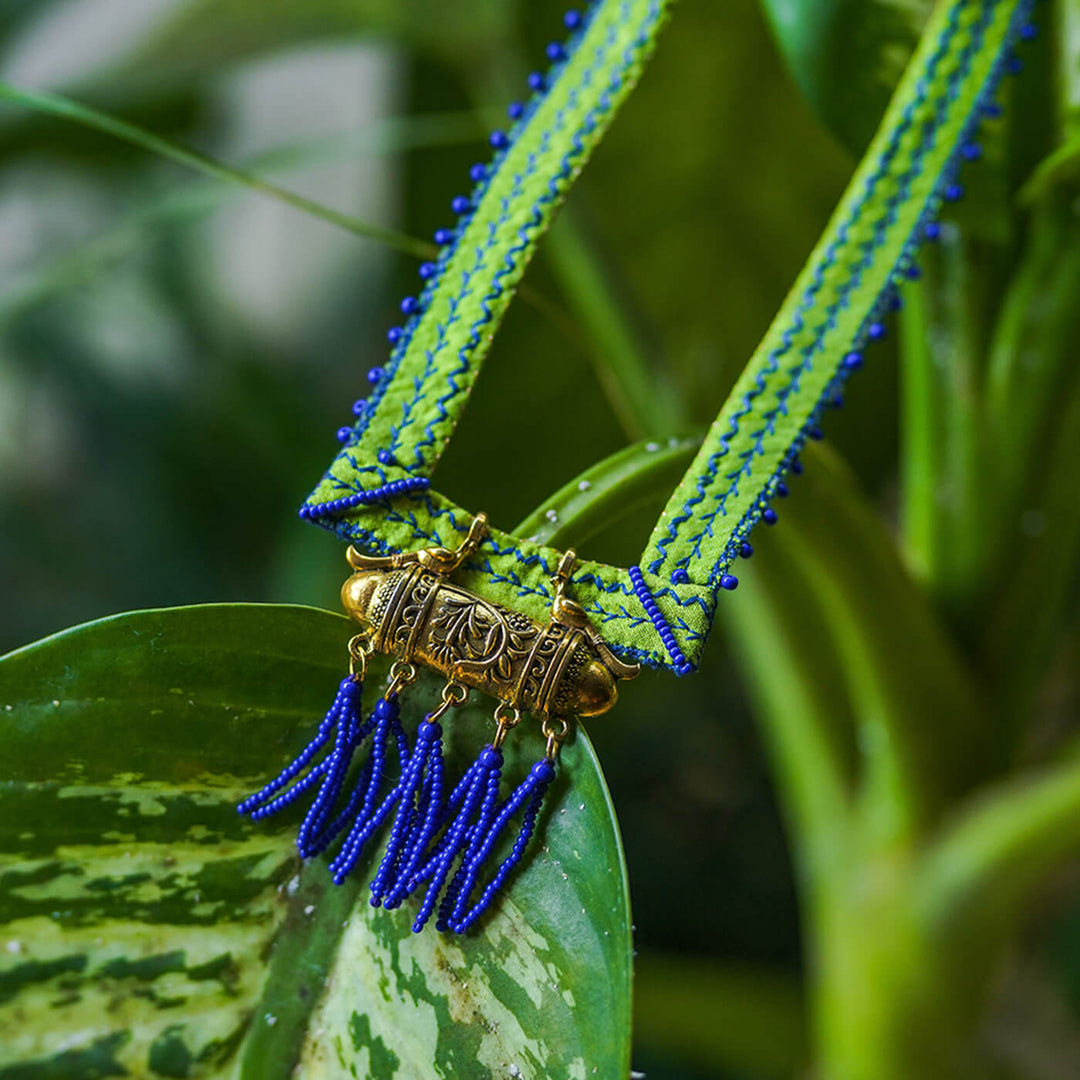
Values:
[(177, 353)]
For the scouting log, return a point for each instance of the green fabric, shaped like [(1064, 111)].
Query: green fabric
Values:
[(863, 253)]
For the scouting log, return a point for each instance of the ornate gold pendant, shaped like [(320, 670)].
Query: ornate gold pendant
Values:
[(413, 612), (441, 841)]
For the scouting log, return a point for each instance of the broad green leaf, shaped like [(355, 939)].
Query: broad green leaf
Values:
[(148, 928), (847, 56)]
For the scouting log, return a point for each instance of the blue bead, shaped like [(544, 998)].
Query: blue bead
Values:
[(385, 457), (1014, 65), (853, 361), (478, 172), (499, 140), (728, 582), (797, 468), (459, 204), (768, 515), (394, 334), (515, 110), (490, 758), (815, 433), (428, 270), (410, 305), (572, 20), (535, 80), (544, 771), (971, 151), (359, 407), (555, 52), (837, 402), (386, 709), (443, 236), (932, 230), (375, 375), (781, 489), (914, 272), (992, 109), (895, 303), (1029, 32), (344, 434), (745, 550), (684, 669), (954, 192), (875, 331), (680, 577), (429, 731)]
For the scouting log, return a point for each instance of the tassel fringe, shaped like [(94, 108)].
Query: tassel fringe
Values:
[(441, 843)]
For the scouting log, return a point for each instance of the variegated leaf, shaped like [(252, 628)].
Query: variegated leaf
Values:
[(149, 931)]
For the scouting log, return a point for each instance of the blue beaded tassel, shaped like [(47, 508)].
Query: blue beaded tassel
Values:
[(474, 799), (421, 810), (344, 728), (369, 815), (454, 912)]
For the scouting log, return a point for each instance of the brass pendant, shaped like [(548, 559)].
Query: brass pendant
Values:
[(413, 612), (440, 841)]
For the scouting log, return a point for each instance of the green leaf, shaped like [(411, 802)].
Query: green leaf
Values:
[(603, 494), (1060, 168), (920, 730), (195, 200), (796, 681), (641, 396), (64, 108), (982, 871), (149, 928), (719, 1016), (206, 35), (847, 56)]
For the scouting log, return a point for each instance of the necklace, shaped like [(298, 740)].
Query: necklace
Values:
[(538, 630)]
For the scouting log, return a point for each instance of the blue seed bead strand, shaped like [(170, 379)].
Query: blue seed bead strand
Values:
[(429, 816), (492, 890), (371, 815), (428, 748), (667, 635), (409, 485), (359, 730), (530, 792), (346, 690), (476, 835), (311, 828), (431, 859), (489, 760)]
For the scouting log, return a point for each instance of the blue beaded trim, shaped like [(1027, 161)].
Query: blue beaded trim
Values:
[(873, 331), (682, 575), (363, 498), (679, 662)]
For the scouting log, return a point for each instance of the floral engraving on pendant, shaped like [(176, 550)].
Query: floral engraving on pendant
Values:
[(467, 632)]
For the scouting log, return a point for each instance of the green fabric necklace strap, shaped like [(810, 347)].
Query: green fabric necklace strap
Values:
[(377, 494)]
